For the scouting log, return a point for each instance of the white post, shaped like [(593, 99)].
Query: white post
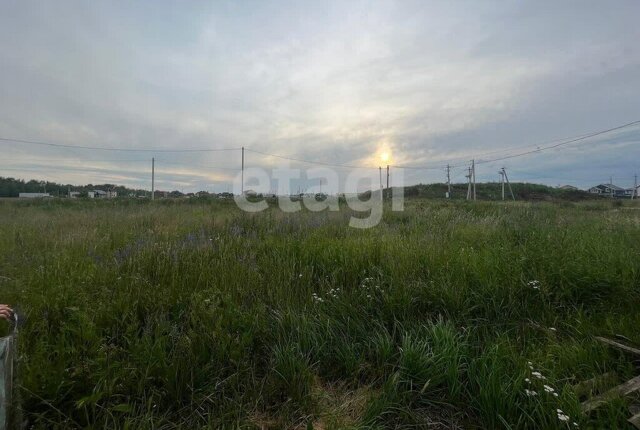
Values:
[(153, 178)]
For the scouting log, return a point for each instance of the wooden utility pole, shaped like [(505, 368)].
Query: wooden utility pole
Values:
[(242, 177), (448, 181), (634, 193), (468, 176), (473, 172), (153, 178), (501, 172), (504, 174)]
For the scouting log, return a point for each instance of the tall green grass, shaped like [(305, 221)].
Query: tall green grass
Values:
[(196, 315)]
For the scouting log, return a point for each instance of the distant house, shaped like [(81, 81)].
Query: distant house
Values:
[(99, 194), (568, 188), (74, 194), (629, 192), (608, 190), (33, 195)]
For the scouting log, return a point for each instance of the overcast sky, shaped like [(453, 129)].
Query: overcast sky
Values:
[(338, 82)]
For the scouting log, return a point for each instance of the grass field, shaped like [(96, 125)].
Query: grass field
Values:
[(196, 315)]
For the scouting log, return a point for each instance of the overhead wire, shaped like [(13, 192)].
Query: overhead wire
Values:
[(538, 148)]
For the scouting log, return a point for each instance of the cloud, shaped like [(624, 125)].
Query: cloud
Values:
[(334, 82)]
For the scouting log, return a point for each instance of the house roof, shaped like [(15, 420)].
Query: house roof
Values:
[(610, 186)]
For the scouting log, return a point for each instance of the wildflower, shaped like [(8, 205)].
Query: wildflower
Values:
[(575, 424), (563, 417), (538, 375), (552, 329), (530, 393), (527, 380), (548, 389)]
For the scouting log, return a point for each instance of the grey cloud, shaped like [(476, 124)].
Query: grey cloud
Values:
[(331, 81)]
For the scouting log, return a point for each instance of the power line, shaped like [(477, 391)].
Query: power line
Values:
[(284, 157), (567, 142), (539, 148), (189, 164), (101, 148)]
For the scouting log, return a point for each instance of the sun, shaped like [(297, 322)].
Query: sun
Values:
[(385, 157)]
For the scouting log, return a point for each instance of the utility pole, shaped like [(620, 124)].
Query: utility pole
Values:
[(153, 178), (468, 176), (473, 172), (242, 187), (501, 172), (387, 178), (448, 181), (634, 193), (504, 174), (381, 189), (611, 186)]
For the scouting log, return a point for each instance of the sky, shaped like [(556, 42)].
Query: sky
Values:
[(405, 83)]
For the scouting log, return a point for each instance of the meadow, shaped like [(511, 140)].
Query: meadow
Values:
[(176, 314)]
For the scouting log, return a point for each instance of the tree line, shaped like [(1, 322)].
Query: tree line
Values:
[(12, 187)]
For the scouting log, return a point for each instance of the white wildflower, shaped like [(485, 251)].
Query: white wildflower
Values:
[(530, 393), (548, 389), (538, 375)]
